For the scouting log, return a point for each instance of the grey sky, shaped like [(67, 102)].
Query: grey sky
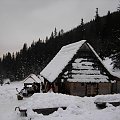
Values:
[(22, 21)]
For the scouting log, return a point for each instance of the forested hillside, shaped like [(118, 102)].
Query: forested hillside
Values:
[(103, 33)]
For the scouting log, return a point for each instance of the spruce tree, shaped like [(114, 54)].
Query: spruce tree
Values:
[(82, 29), (55, 33)]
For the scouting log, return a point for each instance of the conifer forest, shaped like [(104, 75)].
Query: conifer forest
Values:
[(103, 33)]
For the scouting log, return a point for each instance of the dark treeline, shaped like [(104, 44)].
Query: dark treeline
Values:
[(103, 33)]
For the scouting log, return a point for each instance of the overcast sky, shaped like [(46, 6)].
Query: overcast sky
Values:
[(22, 21)]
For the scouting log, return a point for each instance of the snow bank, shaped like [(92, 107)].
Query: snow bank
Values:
[(84, 110), (47, 100), (109, 64), (8, 101), (108, 98)]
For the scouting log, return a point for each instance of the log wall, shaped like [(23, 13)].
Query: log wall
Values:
[(104, 88)]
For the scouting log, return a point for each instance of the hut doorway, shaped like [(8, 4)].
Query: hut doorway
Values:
[(91, 89)]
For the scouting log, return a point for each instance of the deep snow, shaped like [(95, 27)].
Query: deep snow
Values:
[(77, 108), (8, 101)]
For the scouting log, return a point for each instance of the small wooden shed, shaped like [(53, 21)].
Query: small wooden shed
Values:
[(78, 70), (32, 79)]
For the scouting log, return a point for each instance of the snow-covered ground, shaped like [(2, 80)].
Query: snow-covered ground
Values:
[(77, 108), (8, 101), (109, 64)]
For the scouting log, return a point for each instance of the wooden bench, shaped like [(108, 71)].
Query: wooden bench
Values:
[(103, 105), (44, 111)]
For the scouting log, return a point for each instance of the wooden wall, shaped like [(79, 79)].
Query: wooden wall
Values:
[(118, 86), (104, 88), (76, 88), (87, 89)]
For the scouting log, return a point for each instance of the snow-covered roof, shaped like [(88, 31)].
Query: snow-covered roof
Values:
[(83, 71), (89, 78), (61, 60), (58, 63), (41, 78), (32, 78)]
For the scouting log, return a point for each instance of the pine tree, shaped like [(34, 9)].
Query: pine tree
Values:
[(97, 15), (52, 36), (98, 31), (82, 29), (61, 31), (55, 33), (46, 40), (24, 47)]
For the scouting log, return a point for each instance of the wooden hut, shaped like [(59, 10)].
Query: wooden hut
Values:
[(78, 70), (31, 80)]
